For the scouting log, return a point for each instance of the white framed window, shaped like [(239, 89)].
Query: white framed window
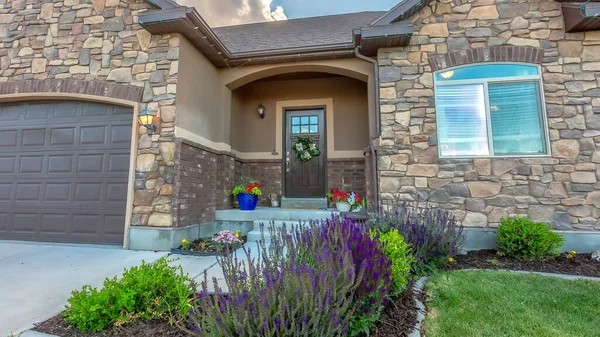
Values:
[(491, 110)]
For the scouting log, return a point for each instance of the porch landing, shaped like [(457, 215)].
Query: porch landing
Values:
[(266, 215)]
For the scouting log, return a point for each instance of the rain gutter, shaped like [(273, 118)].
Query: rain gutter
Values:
[(374, 175)]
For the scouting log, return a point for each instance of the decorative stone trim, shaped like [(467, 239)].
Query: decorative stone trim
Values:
[(94, 88), (488, 54)]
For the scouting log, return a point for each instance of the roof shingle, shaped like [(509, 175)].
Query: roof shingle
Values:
[(295, 33)]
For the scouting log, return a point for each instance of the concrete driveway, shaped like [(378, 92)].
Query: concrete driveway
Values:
[(36, 279)]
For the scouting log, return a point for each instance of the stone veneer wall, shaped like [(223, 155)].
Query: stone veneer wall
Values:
[(86, 46), (562, 189)]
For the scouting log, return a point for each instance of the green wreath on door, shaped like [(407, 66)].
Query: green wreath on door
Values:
[(305, 149)]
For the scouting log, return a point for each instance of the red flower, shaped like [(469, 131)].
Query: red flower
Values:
[(250, 188)]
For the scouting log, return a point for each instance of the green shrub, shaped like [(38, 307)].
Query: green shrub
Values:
[(150, 291), (399, 253), (525, 239)]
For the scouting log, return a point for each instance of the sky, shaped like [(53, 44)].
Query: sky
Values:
[(234, 12)]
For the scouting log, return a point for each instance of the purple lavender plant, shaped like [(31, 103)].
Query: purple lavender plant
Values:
[(434, 234), (303, 284)]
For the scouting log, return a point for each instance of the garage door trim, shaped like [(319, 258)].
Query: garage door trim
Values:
[(135, 106)]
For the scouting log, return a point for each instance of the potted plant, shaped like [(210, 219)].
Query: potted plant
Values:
[(247, 195), (345, 201)]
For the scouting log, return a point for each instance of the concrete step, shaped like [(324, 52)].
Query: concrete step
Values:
[(304, 203), (277, 214)]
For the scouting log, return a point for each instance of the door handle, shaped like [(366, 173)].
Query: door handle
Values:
[(287, 161)]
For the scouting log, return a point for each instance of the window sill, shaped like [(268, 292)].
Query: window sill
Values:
[(499, 157)]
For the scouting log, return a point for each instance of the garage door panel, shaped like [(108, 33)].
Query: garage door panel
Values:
[(5, 191), (8, 138), (64, 168), (120, 134), (57, 192), (54, 224), (25, 223), (33, 137), (117, 163), (90, 163), (28, 192), (31, 164), (60, 164), (116, 193), (62, 136), (7, 165)]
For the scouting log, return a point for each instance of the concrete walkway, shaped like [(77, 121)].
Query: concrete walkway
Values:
[(36, 279)]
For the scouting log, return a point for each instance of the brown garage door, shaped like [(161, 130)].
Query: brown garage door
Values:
[(64, 167)]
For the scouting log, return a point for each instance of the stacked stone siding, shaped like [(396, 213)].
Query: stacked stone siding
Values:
[(561, 189), (88, 47)]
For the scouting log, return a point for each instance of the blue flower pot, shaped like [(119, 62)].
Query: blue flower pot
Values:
[(247, 201)]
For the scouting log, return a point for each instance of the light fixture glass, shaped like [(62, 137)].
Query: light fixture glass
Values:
[(448, 74), (147, 120), (261, 111)]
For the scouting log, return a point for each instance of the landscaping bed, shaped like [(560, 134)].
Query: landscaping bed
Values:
[(399, 316), (207, 247), (499, 303), (397, 320), (59, 327), (576, 264)]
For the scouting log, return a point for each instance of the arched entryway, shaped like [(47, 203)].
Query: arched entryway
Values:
[(322, 103)]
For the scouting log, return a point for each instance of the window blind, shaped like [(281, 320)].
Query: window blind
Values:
[(462, 125), (516, 125)]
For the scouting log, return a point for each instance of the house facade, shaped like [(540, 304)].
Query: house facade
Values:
[(485, 108)]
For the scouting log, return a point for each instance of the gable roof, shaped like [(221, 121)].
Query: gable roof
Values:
[(295, 33), (324, 37)]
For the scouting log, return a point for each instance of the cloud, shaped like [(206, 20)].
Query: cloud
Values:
[(235, 12)]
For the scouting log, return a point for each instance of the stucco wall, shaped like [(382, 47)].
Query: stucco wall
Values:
[(561, 189), (202, 101), (250, 133)]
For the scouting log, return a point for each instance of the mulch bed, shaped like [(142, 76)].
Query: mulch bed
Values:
[(59, 327), (399, 317), (207, 247), (579, 264), (397, 320)]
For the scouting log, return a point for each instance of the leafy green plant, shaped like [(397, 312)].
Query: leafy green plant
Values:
[(150, 291), (399, 253), (525, 239), (434, 235)]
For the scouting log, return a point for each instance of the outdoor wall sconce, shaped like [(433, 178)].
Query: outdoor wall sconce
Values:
[(261, 111), (147, 120)]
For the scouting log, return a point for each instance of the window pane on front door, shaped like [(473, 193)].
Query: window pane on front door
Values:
[(515, 114), (462, 124)]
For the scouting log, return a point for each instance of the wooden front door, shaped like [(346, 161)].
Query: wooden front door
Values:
[(305, 179)]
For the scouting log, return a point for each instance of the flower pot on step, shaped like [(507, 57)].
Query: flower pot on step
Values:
[(342, 206), (247, 201)]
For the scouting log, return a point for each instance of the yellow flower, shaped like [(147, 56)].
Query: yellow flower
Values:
[(237, 233), (569, 256), (183, 241), (451, 260), (573, 252)]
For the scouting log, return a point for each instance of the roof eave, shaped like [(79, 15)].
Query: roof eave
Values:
[(371, 39), (580, 17)]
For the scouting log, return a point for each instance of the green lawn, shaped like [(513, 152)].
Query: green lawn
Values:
[(495, 303)]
